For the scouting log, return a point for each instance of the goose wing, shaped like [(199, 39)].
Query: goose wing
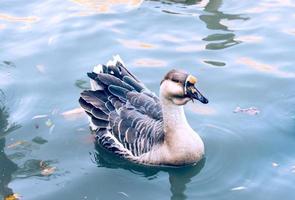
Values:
[(125, 115)]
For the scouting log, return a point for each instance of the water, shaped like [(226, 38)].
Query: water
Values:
[(241, 52)]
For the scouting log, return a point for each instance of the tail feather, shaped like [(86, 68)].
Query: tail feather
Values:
[(109, 86), (95, 86), (98, 69)]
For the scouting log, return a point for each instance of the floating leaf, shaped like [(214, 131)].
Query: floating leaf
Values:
[(15, 144), (249, 111), (12, 197), (46, 170)]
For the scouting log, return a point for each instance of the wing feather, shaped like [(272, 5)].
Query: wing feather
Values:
[(127, 117)]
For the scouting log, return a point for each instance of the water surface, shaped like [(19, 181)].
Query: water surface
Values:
[(241, 52)]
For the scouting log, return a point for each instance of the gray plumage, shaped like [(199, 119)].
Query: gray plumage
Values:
[(125, 116)]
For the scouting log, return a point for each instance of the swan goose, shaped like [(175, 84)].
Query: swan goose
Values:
[(133, 123)]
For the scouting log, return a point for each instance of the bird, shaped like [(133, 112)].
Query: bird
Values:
[(135, 124)]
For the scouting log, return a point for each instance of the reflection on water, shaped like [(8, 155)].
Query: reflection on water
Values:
[(250, 38), (105, 6), (7, 167), (213, 22), (2, 26), (261, 67), (179, 177), (82, 84), (226, 40), (134, 44), (215, 63), (9, 170), (47, 50), (187, 2), (148, 62), (10, 18), (35, 167)]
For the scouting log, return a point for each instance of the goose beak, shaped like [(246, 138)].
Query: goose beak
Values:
[(192, 92)]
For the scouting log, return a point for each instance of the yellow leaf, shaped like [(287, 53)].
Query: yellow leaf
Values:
[(12, 197), (15, 144)]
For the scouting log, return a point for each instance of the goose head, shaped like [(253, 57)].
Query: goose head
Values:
[(179, 88)]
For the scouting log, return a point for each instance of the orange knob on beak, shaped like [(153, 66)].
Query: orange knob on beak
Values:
[(191, 79)]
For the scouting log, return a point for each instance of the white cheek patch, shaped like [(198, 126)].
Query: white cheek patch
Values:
[(180, 101), (174, 89)]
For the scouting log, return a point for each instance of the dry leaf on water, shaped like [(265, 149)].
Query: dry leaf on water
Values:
[(249, 111), (15, 144), (46, 170), (12, 197)]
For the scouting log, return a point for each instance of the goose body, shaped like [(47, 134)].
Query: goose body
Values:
[(132, 122)]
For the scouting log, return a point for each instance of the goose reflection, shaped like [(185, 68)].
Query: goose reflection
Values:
[(179, 177), (213, 22), (7, 167)]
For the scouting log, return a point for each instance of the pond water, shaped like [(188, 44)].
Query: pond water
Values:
[(241, 51)]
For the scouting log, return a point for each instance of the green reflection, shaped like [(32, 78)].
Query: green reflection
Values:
[(82, 84), (179, 177), (7, 167), (213, 22), (215, 63)]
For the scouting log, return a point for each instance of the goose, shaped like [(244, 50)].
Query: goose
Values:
[(133, 123)]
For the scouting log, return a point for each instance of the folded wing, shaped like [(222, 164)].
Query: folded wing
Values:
[(125, 115)]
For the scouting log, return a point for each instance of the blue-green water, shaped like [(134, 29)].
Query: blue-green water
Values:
[(241, 52)]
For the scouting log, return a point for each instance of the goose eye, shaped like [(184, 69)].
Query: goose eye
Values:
[(176, 81)]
